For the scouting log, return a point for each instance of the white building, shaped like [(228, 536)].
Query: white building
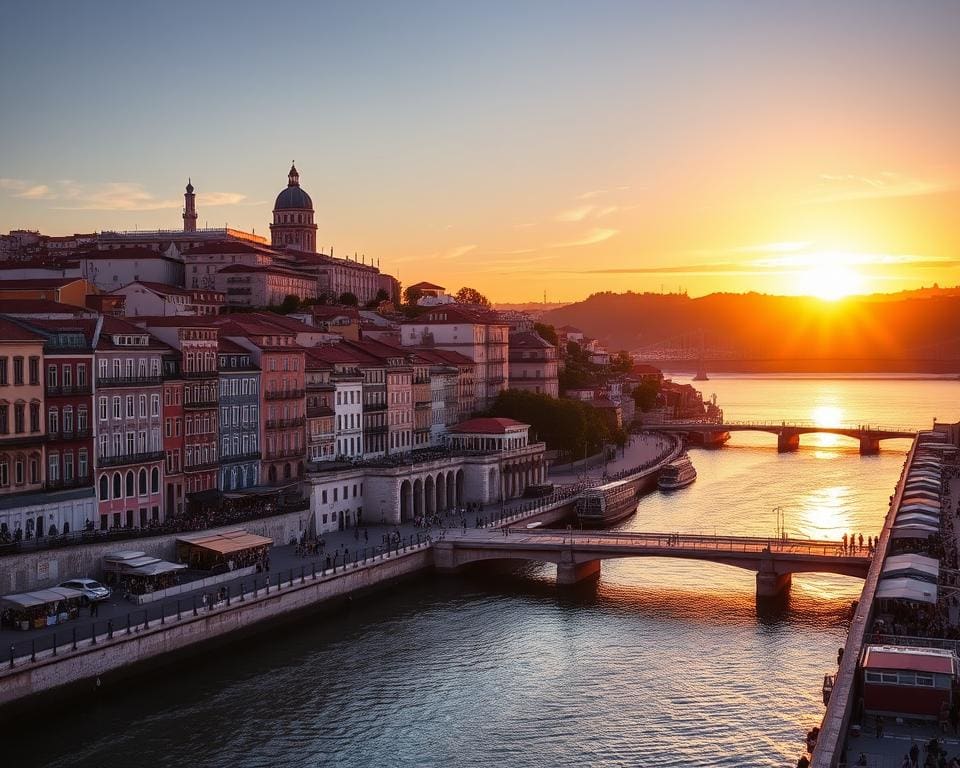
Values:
[(155, 299), (348, 414), (112, 269)]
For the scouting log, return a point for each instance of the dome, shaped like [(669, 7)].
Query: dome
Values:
[(293, 197)]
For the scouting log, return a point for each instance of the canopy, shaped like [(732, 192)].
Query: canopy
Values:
[(227, 542), (915, 506), (41, 597), (912, 565), (156, 569), (905, 588), (918, 517), (913, 531)]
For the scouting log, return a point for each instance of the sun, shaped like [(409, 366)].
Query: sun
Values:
[(830, 282)]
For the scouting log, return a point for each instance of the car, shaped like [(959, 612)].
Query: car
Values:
[(93, 591)]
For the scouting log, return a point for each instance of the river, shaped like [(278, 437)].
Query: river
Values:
[(660, 663)]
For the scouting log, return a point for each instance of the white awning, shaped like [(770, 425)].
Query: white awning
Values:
[(40, 597), (911, 565), (913, 531), (907, 589)]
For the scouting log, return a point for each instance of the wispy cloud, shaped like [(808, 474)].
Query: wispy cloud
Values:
[(591, 194), (576, 214), (839, 187), (109, 196), (591, 237), (457, 251)]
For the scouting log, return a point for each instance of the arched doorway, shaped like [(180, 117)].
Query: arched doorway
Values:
[(441, 493), (417, 497), (428, 495), (451, 501), (406, 502), (459, 493)]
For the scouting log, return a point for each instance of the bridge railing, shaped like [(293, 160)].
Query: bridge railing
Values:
[(793, 423)]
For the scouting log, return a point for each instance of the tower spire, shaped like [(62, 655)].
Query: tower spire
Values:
[(189, 208)]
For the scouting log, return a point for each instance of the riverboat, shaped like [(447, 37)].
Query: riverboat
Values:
[(677, 474), (607, 504)]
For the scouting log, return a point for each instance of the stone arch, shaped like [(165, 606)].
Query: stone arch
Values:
[(442, 493), (129, 489), (459, 487), (104, 488), (417, 497), (451, 489), (142, 482), (272, 473), (117, 486), (429, 496), (406, 502)]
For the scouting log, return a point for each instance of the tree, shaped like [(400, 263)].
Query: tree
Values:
[(348, 299), (645, 395), (290, 303), (547, 333), (471, 296), (411, 295), (377, 300), (622, 362)]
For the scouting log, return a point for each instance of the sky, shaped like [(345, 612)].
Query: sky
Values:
[(527, 149)]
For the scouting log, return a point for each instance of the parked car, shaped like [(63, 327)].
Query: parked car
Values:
[(93, 591)]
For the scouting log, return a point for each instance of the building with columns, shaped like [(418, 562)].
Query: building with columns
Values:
[(293, 223)]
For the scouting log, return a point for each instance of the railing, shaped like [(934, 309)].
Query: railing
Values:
[(422, 404), (797, 424), (201, 467), (285, 423), (284, 394), (374, 407), (129, 381), (249, 456), (73, 482), (73, 434), (132, 458), (198, 374), (14, 440), (69, 389), (205, 402), (285, 453)]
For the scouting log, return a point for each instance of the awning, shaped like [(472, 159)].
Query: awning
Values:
[(913, 531), (911, 566), (918, 517), (40, 597), (228, 542), (927, 509), (907, 589), (156, 569)]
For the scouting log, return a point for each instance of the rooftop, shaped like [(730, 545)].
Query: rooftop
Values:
[(488, 426)]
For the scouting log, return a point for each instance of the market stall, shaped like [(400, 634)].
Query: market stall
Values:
[(41, 608), (226, 551), (140, 574)]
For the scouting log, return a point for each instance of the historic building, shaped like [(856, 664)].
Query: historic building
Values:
[(533, 364), (293, 223), (239, 417), (174, 495)]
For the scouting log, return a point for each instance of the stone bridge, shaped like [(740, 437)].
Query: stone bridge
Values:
[(578, 554), (788, 433)]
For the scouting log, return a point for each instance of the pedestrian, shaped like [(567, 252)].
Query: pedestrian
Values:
[(914, 755), (879, 726), (860, 540), (844, 542)]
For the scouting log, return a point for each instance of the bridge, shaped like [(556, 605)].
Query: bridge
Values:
[(578, 554), (788, 433)]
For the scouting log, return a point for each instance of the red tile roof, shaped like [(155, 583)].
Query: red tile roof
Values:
[(37, 282), (161, 288), (38, 306), (11, 331)]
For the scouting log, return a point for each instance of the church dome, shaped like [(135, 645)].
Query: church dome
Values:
[(293, 197)]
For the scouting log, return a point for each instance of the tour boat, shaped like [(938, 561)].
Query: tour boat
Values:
[(677, 474), (607, 504)]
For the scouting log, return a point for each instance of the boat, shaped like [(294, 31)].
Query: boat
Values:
[(677, 474), (607, 504)]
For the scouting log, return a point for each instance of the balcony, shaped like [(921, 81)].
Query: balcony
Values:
[(285, 394), (378, 430), (129, 381), (132, 458), (374, 407), (74, 434), (68, 390), (421, 405), (285, 423), (22, 439), (285, 453), (198, 374), (74, 482), (203, 402), (233, 459), (201, 467)]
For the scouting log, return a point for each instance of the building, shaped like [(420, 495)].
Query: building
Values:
[(533, 364), (111, 269), (398, 373), (64, 290), (174, 497), (189, 209), (256, 286), (293, 223), (202, 262), (239, 417), (320, 413), (129, 453), (338, 384), (154, 299), (477, 333)]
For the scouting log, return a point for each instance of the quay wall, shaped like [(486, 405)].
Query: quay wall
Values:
[(42, 568), (96, 660), (830, 750)]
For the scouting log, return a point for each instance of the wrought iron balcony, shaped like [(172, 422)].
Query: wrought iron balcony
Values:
[(284, 394), (68, 389), (129, 381), (131, 458), (285, 423), (202, 402)]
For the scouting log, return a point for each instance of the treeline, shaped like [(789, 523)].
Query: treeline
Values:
[(569, 426)]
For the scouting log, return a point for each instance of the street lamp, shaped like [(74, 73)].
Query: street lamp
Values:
[(780, 522)]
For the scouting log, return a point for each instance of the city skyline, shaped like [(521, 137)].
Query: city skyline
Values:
[(552, 149)]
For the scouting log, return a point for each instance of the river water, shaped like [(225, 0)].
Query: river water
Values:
[(660, 663)]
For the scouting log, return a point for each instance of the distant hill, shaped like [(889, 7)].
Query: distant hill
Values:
[(530, 306), (917, 331)]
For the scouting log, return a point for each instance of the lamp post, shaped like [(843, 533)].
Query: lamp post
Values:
[(781, 522)]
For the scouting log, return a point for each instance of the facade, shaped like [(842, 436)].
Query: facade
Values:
[(154, 299), (174, 496), (348, 406), (202, 262), (422, 403), (473, 332), (533, 364), (112, 269), (444, 411), (65, 290), (320, 415), (239, 417), (129, 453), (293, 223), (253, 286)]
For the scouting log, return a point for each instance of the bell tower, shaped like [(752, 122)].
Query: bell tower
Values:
[(189, 209)]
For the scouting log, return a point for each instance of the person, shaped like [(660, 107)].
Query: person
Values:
[(860, 540), (906, 762), (844, 542), (862, 760), (879, 724), (914, 755)]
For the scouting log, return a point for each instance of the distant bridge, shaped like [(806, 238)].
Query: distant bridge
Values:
[(788, 433), (578, 553)]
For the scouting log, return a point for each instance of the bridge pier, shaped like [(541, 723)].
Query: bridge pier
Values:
[(869, 446), (770, 584), (787, 442), (571, 573)]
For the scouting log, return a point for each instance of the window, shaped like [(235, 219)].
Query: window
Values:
[(143, 406), (81, 374), (53, 421), (142, 482), (4, 419), (4, 381), (104, 487), (67, 377), (154, 405), (117, 490), (68, 420), (18, 371), (34, 371), (129, 483), (51, 375), (18, 472), (68, 467), (116, 407), (131, 410), (82, 465), (34, 417), (82, 419), (53, 467), (19, 418)]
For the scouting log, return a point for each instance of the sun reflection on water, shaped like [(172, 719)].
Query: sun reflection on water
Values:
[(823, 513), (826, 416)]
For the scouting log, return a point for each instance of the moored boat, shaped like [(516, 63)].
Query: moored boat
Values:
[(607, 504), (677, 474)]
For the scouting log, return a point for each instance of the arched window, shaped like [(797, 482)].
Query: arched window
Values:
[(116, 486), (129, 479), (142, 484), (155, 480), (104, 488)]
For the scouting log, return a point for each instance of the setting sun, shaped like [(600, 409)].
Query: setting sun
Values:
[(831, 282)]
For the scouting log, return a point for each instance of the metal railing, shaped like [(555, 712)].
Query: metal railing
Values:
[(129, 381), (131, 458), (284, 394)]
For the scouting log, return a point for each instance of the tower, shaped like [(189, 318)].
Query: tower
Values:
[(189, 209), (293, 224)]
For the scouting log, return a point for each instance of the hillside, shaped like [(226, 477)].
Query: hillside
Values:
[(893, 333)]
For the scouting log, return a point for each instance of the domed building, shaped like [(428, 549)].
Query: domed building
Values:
[(293, 217)]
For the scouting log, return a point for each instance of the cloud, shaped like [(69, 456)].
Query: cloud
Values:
[(458, 251), (592, 194), (109, 196), (576, 214), (839, 187), (591, 237)]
